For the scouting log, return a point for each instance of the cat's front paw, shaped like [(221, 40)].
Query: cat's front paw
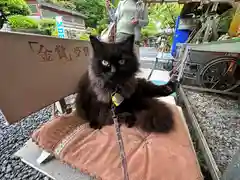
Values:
[(172, 86), (95, 125), (127, 118), (130, 124)]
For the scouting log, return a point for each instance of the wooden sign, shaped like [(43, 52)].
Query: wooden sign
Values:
[(36, 71)]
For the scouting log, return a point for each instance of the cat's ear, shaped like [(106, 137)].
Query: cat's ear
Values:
[(96, 44), (128, 44)]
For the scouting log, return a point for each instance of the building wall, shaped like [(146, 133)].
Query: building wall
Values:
[(68, 18), (73, 25), (33, 5)]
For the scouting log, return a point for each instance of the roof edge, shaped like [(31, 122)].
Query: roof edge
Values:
[(53, 6)]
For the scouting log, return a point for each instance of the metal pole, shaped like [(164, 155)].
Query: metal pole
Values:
[(182, 65)]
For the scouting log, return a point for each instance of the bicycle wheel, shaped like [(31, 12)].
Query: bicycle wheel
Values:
[(216, 74)]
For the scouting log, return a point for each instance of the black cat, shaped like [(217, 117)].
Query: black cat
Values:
[(113, 68)]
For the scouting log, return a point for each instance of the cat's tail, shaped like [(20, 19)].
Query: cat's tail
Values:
[(157, 117)]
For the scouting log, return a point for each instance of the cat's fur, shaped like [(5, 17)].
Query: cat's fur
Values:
[(93, 101)]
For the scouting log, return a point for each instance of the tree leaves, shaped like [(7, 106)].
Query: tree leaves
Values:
[(14, 7), (161, 16), (93, 9)]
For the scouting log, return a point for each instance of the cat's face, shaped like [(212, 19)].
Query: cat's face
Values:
[(114, 63)]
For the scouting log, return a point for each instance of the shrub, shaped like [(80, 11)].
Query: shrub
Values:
[(61, 3), (14, 7), (67, 4), (89, 31), (101, 27), (22, 22), (47, 26), (54, 32), (92, 31), (84, 37)]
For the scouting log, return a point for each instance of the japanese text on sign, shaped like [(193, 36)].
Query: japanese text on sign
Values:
[(47, 54)]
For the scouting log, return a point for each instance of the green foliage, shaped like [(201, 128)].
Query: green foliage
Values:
[(163, 14), (47, 26), (43, 26), (100, 28), (69, 4), (102, 24), (22, 22), (150, 30), (54, 33), (92, 31), (95, 11), (14, 7), (115, 4), (84, 37)]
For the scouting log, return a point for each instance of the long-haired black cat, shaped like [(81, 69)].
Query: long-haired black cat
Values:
[(113, 67)]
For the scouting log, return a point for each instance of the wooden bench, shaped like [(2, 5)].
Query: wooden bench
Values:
[(36, 72)]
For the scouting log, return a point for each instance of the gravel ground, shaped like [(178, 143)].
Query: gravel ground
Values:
[(12, 138), (219, 119)]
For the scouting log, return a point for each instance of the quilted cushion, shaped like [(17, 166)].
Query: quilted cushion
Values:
[(149, 156)]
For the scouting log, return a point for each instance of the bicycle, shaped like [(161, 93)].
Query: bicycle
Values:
[(206, 26), (221, 73)]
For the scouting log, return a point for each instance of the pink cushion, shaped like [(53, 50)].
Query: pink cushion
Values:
[(149, 156)]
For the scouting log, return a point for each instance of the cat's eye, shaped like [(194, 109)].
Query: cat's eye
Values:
[(121, 62), (105, 63)]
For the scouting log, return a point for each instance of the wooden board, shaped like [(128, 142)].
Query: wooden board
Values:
[(53, 169), (168, 99), (37, 71)]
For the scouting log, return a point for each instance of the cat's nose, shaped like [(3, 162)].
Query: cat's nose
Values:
[(113, 69)]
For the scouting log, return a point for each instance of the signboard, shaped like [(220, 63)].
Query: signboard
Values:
[(52, 69), (60, 27)]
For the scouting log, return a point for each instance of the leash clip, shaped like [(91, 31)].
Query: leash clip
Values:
[(117, 99)]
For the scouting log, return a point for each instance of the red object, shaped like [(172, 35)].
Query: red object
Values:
[(134, 21), (145, 43)]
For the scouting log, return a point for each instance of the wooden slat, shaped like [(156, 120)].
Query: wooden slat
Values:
[(36, 71), (53, 169)]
